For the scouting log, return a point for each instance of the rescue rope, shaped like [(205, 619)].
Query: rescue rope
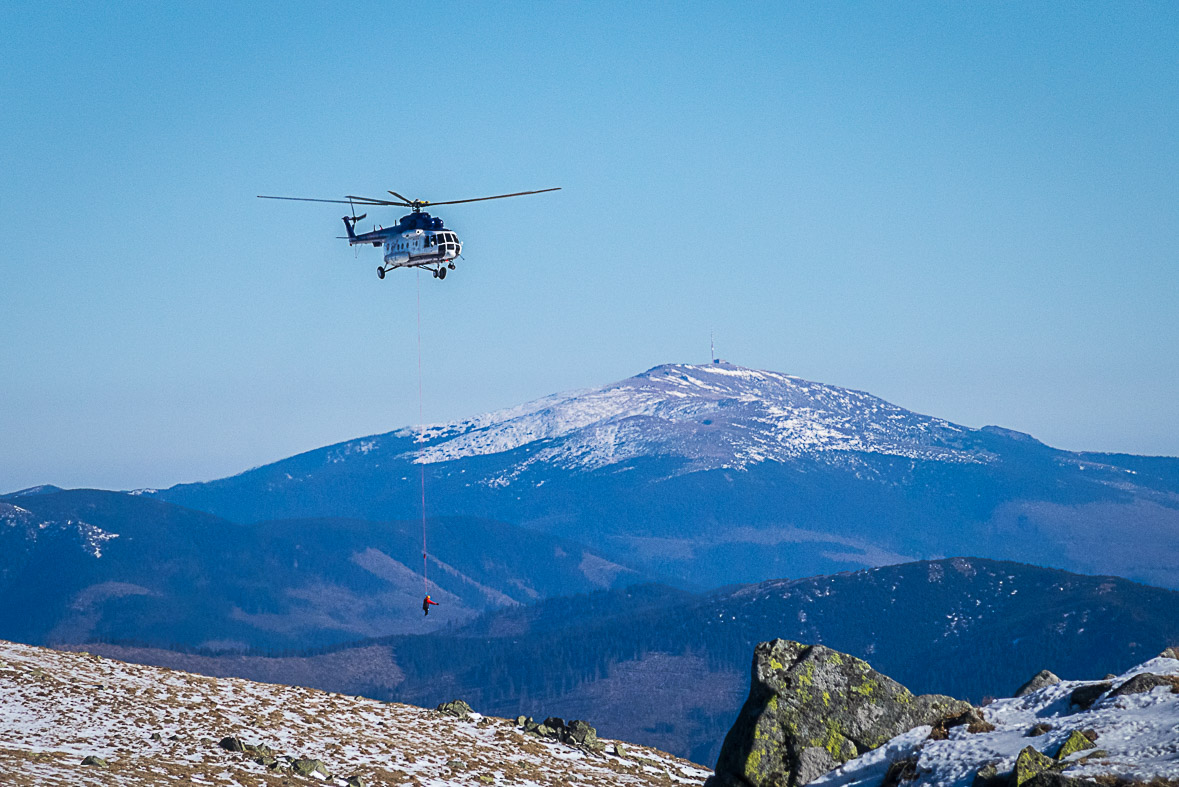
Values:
[(421, 422)]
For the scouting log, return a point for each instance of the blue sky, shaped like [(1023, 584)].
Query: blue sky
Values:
[(970, 209)]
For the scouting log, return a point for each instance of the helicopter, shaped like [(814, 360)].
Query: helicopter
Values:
[(417, 240)]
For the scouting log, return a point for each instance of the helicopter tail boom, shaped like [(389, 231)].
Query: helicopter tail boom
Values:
[(348, 222)]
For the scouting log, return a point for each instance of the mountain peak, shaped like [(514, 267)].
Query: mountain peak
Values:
[(716, 415)]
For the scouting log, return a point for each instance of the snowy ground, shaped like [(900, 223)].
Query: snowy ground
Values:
[(1138, 733), (56, 708)]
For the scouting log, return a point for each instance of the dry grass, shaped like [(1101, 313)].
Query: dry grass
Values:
[(53, 713)]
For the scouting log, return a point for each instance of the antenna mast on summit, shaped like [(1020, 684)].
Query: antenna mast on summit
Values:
[(712, 345)]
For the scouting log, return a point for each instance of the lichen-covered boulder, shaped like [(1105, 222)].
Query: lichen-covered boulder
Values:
[(1028, 764), (581, 733), (307, 766), (457, 708), (811, 709), (1075, 742)]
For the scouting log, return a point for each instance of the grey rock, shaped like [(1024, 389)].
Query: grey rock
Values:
[(92, 760), (812, 762), (619, 750), (306, 767), (456, 765), (810, 709), (1084, 696), (1170, 653), (1039, 729), (354, 781), (972, 719), (1040, 680), (155, 736), (258, 750), (582, 734), (988, 776), (230, 743), (1144, 682), (456, 708), (1058, 779), (522, 720)]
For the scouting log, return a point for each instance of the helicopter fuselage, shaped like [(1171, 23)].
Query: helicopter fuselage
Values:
[(417, 240)]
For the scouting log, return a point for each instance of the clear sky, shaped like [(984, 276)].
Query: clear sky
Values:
[(969, 209)]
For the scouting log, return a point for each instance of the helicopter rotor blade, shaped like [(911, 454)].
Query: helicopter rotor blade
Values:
[(372, 201), (406, 200), (306, 199), (497, 196)]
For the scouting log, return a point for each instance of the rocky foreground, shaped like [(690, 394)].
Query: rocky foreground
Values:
[(80, 719), (819, 717)]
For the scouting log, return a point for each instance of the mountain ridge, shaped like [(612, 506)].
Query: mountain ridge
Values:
[(715, 474), (670, 669)]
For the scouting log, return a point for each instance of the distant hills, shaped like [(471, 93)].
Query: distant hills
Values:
[(716, 474), (88, 564), (577, 544), (671, 669)]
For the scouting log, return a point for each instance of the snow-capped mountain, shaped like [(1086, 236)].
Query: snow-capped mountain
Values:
[(713, 416), (715, 473)]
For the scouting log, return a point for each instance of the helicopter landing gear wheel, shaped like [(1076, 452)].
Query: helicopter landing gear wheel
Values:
[(442, 273), (380, 272), (435, 273), (451, 266)]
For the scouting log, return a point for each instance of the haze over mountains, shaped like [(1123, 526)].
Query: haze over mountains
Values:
[(714, 474)]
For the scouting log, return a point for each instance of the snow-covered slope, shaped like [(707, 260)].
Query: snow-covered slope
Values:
[(714, 415), (157, 726), (1135, 736), (717, 473)]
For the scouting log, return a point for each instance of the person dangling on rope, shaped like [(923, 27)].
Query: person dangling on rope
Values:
[(426, 603)]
